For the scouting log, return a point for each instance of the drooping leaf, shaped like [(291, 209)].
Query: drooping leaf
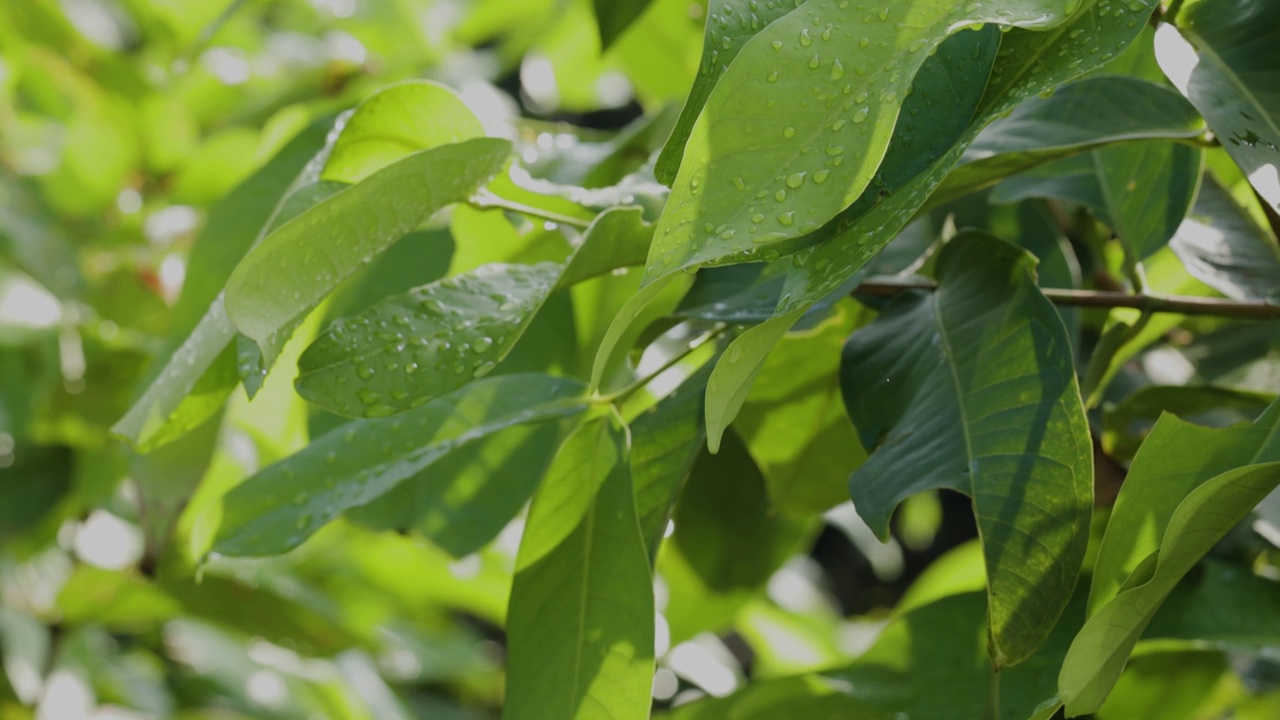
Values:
[(419, 345), (973, 389), (1080, 116), (1029, 62), (1223, 56), (737, 370), (823, 78), (1097, 657), (580, 628), (729, 26), (1223, 247), (328, 242), (283, 504), (397, 121), (1127, 425)]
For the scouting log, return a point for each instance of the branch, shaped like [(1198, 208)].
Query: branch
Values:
[(1152, 303)]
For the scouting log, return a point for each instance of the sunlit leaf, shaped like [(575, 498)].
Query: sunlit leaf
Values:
[(1223, 247)]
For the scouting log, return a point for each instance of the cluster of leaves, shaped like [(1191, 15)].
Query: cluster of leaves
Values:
[(439, 374)]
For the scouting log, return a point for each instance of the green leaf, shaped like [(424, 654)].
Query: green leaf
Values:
[(618, 237), (665, 441), (283, 504), (730, 24), (411, 348), (822, 86), (1080, 116), (1029, 62), (794, 421), (1222, 247), (973, 389), (330, 241), (1225, 62), (1127, 425), (1176, 458), (1097, 657), (397, 121), (613, 17), (581, 626)]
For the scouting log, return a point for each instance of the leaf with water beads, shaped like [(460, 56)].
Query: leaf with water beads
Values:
[(283, 504), (415, 346)]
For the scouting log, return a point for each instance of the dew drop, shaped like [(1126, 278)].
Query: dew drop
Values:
[(821, 176), (787, 218), (788, 132), (795, 180)]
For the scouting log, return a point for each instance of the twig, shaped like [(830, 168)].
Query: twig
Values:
[(1152, 303)]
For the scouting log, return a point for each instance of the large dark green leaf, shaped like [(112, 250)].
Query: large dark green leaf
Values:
[(283, 504), (581, 627), (973, 388), (1147, 189), (795, 130), (1228, 70), (1086, 114), (1225, 249), (296, 266)]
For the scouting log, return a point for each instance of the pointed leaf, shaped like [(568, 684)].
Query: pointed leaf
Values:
[(1147, 189), (327, 243), (737, 370), (581, 626), (973, 389), (283, 504), (1225, 61)]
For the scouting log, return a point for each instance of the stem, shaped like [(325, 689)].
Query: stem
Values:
[(992, 709), (210, 30), (485, 200), (1171, 12), (671, 362), (1147, 302)]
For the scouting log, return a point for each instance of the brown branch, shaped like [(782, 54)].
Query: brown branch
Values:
[(889, 287)]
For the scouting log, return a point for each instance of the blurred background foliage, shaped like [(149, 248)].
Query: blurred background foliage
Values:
[(125, 123)]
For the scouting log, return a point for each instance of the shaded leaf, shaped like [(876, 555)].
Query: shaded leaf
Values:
[(580, 629), (1147, 190), (972, 388), (283, 504)]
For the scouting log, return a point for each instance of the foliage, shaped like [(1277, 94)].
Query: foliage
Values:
[(655, 358)]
